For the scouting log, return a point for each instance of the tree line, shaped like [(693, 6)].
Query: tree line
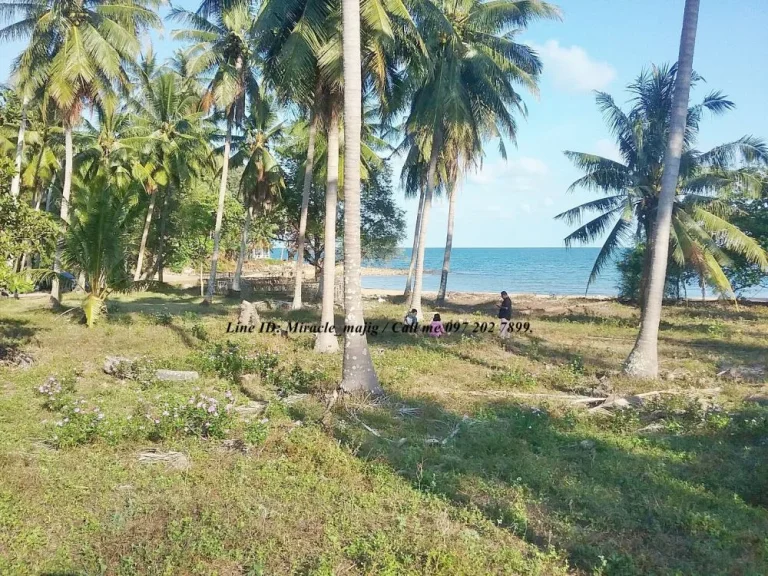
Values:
[(244, 135)]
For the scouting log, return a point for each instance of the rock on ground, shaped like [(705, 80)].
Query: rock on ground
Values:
[(176, 375), (249, 316), (116, 365)]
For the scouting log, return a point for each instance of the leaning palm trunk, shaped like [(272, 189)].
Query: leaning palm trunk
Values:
[(64, 212), (16, 181), (326, 340), (415, 301), (643, 360), (414, 250), (144, 236), (243, 248), (358, 373), (448, 244), (304, 209), (219, 212)]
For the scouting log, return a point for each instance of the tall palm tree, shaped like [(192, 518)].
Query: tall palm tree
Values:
[(262, 180), (224, 45), (358, 372), (473, 64), (170, 135), (78, 52), (16, 180), (643, 359), (632, 186), (44, 140), (302, 41)]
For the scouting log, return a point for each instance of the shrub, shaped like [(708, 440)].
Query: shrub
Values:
[(200, 415), (227, 360), (56, 394), (80, 425)]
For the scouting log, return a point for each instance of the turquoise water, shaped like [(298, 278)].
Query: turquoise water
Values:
[(558, 271)]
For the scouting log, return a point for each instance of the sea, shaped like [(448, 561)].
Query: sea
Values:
[(557, 271)]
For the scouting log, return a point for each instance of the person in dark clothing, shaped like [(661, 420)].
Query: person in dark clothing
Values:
[(505, 314)]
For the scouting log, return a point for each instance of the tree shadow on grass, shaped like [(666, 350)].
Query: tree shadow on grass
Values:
[(736, 352), (612, 501), (14, 334)]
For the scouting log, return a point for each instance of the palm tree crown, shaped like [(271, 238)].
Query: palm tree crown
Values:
[(701, 234)]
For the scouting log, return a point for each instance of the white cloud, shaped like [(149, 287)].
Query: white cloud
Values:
[(518, 174), (608, 149), (572, 68)]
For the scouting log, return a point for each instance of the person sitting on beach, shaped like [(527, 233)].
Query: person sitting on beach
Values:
[(436, 328), (505, 314), (411, 318)]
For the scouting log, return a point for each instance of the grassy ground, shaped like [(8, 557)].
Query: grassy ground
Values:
[(451, 474)]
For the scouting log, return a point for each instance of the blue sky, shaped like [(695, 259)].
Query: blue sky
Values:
[(599, 45)]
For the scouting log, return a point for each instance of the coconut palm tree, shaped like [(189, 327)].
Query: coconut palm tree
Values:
[(473, 65), (643, 359), (358, 372), (262, 180), (224, 46), (77, 51), (302, 43), (700, 232), (170, 136), (44, 140)]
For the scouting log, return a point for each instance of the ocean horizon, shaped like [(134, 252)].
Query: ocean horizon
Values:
[(557, 270)]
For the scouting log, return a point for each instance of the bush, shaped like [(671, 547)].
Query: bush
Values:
[(227, 361), (200, 416), (630, 268), (56, 394), (80, 424)]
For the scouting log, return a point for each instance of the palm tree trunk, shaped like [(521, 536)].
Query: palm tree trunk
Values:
[(63, 213), (304, 209), (643, 360), (49, 193), (358, 373), (243, 248), (646, 272), (160, 260), (37, 184), (219, 212), (415, 301), (16, 181), (414, 250), (326, 340), (144, 236), (448, 244)]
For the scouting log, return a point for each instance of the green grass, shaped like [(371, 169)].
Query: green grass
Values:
[(451, 474)]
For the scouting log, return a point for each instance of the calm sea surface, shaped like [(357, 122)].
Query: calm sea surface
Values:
[(529, 270), (557, 271)]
